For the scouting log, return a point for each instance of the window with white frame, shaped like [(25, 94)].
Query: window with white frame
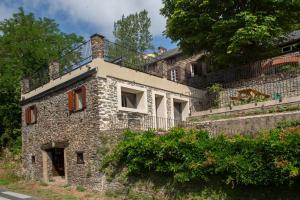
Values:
[(132, 98), (173, 75)]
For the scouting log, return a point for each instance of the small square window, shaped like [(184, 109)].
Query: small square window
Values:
[(131, 98), (33, 159), (80, 159)]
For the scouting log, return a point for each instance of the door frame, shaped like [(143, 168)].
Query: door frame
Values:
[(164, 102), (185, 106), (47, 161)]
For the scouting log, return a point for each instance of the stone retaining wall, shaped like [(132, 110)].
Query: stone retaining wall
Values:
[(246, 125)]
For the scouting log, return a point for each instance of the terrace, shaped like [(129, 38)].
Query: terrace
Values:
[(84, 54)]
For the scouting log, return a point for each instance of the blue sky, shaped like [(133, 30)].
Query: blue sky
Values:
[(86, 17)]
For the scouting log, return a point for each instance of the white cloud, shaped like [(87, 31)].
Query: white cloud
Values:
[(102, 13), (98, 15)]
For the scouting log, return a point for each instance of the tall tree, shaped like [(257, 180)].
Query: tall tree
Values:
[(232, 31), (27, 44), (132, 35), (133, 31)]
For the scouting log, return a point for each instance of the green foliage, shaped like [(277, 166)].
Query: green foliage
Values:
[(215, 88), (289, 68), (233, 32), (132, 39), (288, 123), (214, 93), (80, 188), (27, 44), (272, 158), (133, 32)]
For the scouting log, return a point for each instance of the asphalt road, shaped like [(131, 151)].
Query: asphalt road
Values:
[(8, 195)]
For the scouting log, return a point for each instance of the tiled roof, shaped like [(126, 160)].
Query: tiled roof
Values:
[(173, 52), (168, 54), (295, 35), (292, 37)]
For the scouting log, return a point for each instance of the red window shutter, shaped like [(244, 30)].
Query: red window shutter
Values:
[(35, 113), (29, 115), (71, 101), (83, 92), (26, 116)]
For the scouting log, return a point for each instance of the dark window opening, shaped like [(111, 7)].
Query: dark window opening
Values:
[(80, 159), (129, 100), (33, 159), (286, 49), (172, 61), (297, 47), (196, 69)]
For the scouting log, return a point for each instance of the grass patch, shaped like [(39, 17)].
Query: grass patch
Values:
[(4, 182)]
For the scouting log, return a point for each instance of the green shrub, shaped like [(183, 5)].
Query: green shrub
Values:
[(190, 155), (288, 123), (80, 188)]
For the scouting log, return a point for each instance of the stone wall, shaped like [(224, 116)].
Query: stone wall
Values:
[(108, 105), (180, 62), (246, 125), (77, 131)]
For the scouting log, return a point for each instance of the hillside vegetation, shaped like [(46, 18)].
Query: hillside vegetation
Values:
[(183, 157)]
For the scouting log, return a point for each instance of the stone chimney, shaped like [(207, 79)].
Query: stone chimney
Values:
[(53, 70), (97, 45), (161, 50), (25, 87)]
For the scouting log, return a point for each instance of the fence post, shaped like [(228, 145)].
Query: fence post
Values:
[(53, 70), (97, 45)]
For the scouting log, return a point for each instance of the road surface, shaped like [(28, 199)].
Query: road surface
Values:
[(8, 195)]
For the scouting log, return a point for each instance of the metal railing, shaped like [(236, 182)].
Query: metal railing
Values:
[(79, 56), (68, 61), (130, 57), (146, 122), (228, 77)]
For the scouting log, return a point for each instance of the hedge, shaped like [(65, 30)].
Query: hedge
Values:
[(272, 157)]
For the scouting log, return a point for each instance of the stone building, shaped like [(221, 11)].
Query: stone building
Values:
[(62, 118), (194, 71), (64, 115)]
